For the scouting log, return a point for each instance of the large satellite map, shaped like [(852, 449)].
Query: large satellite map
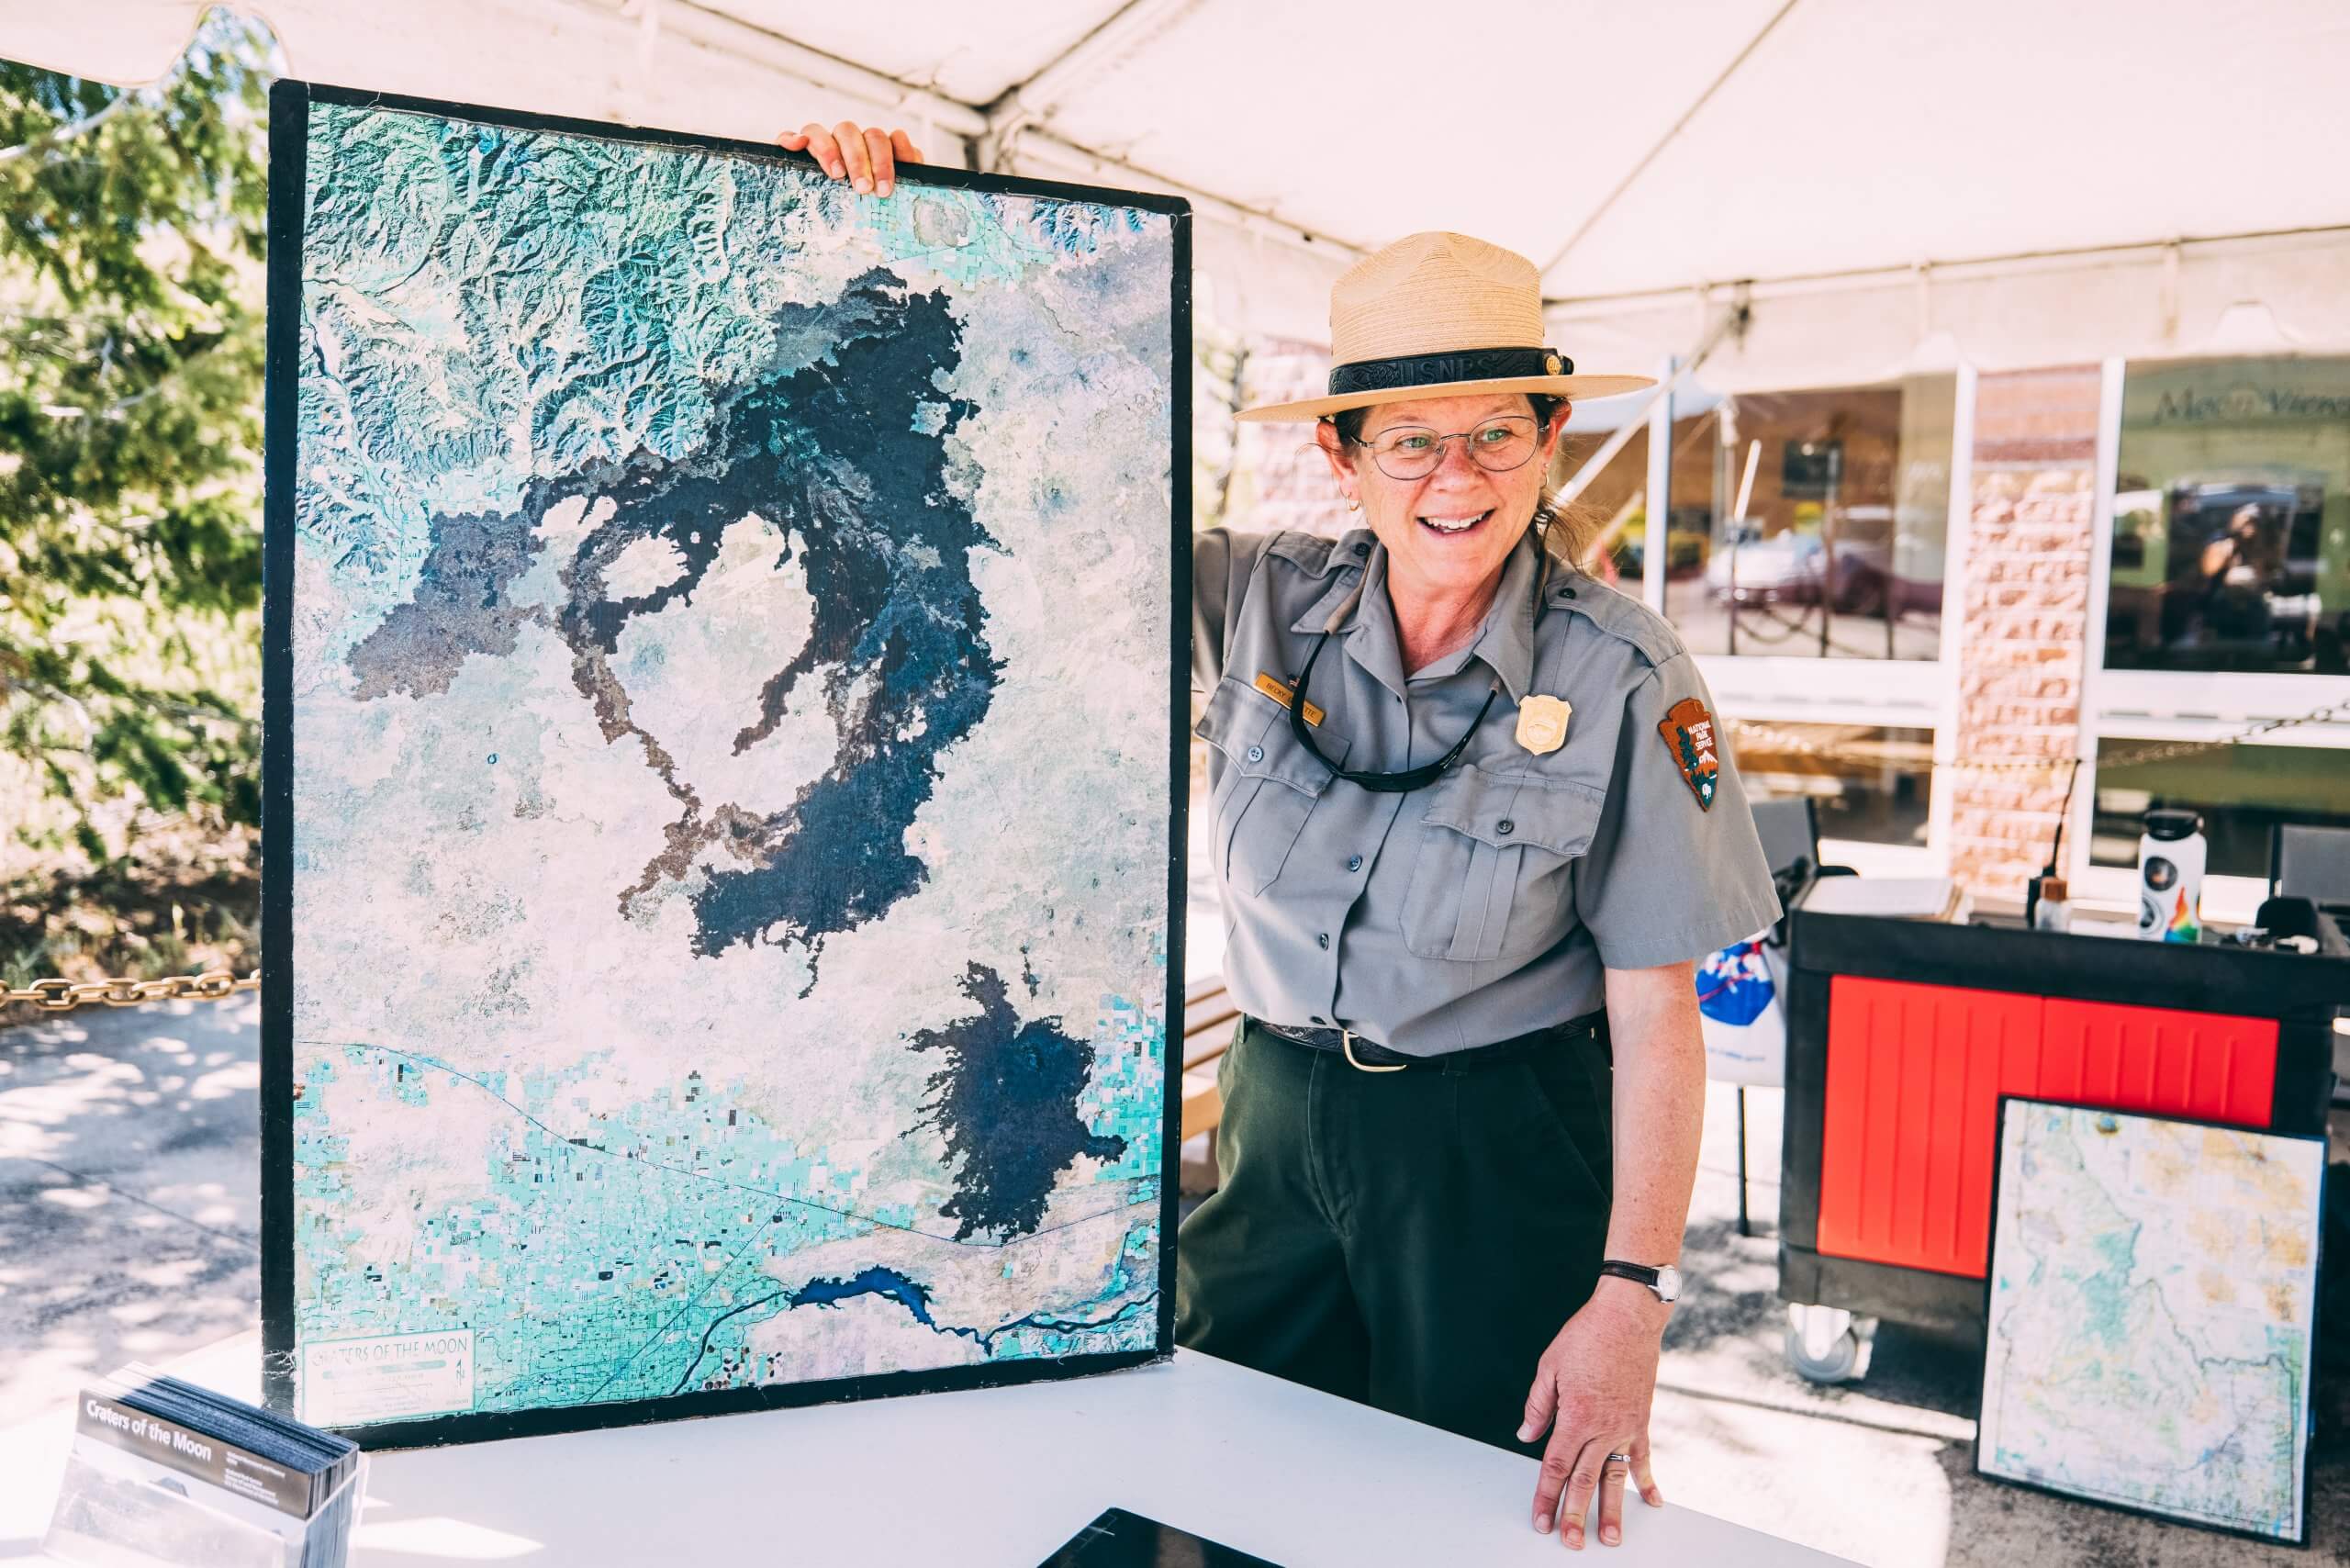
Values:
[(727, 641), (2153, 1315)]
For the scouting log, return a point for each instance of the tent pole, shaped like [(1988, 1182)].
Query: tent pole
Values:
[(986, 137), (1744, 1228), (1730, 321), (712, 30), (1592, 220), (1656, 547), (1043, 144), (1131, 24)]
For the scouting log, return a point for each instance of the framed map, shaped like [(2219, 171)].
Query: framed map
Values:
[(721, 670), (2152, 1318)]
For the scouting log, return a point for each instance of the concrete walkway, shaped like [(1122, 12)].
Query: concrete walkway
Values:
[(130, 1190), (1883, 1471), (128, 1219)]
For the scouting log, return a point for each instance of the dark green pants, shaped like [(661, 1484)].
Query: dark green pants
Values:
[(1413, 1240)]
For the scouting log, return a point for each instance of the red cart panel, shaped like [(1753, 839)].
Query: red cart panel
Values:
[(1914, 1078)]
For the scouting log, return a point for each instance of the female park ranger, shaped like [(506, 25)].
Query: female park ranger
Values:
[(1473, 821)]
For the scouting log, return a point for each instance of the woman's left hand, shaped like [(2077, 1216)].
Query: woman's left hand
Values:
[(1592, 1391)]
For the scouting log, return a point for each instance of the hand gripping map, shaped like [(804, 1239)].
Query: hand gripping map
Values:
[(721, 862), (2152, 1330)]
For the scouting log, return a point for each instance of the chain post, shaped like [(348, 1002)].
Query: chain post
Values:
[(54, 995)]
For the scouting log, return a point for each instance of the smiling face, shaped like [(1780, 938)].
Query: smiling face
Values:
[(1448, 532)]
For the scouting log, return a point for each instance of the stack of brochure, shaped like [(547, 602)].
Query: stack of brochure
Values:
[(165, 1473), (1897, 898)]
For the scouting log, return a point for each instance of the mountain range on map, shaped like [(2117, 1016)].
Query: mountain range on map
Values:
[(728, 628)]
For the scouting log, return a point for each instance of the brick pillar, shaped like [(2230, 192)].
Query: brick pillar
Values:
[(1285, 483), (2025, 638)]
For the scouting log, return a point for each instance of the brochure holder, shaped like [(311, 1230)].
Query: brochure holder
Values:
[(142, 1491)]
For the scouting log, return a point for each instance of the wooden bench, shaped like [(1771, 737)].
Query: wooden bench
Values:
[(1209, 1017)]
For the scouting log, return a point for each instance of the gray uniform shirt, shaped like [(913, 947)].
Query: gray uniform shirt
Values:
[(1487, 904)]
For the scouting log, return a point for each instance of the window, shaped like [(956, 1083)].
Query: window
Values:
[(2221, 606), (1870, 787), (1815, 523), (2243, 792), (1616, 498), (1804, 539), (2232, 518)]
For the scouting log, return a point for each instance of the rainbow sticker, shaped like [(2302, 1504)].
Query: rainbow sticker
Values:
[(2182, 925)]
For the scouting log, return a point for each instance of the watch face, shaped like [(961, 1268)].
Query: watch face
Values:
[(1668, 1283)]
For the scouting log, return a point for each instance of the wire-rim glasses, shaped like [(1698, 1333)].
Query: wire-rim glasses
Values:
[(1414, 452)]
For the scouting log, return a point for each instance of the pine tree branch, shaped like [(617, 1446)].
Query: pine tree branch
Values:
[(62, 134), (187, 712)]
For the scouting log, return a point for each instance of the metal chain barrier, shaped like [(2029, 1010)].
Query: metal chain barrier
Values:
[(219, 985), (64, 996), (1778, 739)]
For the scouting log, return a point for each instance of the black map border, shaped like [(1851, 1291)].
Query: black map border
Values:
[(2317, 1306), (288, 179)]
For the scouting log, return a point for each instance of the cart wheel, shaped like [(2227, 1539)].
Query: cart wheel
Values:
[(1827, 1344), (1837, 1363)]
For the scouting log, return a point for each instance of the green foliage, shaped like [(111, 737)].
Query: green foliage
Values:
[(1219, 383), (131, 234)]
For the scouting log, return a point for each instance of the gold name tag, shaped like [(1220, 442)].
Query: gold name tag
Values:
[(1283, 695)]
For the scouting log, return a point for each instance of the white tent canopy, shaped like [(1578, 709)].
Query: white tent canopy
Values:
[(1894, 187)]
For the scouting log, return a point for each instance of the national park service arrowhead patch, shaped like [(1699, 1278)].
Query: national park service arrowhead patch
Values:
[(1688, 732)]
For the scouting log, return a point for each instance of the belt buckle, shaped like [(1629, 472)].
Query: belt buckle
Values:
[(1347, 1045)]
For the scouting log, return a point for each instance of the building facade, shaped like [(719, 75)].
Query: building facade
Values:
[(1985, 619)]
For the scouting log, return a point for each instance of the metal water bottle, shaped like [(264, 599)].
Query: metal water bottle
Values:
[(2170, 877)]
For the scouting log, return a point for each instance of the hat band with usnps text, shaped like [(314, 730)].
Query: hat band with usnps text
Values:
[(1437, 369)]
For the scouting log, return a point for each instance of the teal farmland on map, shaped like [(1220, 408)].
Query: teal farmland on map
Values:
[(731, 642)]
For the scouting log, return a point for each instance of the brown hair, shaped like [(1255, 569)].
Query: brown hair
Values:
[(1569, 532)]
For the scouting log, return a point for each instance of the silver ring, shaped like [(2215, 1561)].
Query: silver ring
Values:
[(1622, 1459)]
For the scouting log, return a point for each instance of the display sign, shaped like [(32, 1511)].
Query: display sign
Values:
[(724, 645), (2151, 1323)]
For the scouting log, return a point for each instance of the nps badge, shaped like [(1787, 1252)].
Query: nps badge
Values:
[(1688, 732), (1542, 724)]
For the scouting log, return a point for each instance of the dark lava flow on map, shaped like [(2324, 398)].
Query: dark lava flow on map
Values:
[(847, 457), (1006, 1101)]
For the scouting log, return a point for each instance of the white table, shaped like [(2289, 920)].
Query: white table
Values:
[(993, 1477)]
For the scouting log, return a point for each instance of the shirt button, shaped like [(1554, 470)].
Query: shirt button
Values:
[(1322, 940), (1354, 862), (1255, 754), (1504, 827)]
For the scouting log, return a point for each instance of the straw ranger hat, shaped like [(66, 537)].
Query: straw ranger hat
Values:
[(1438, 316)]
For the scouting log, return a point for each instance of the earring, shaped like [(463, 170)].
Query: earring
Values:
[(1353, 505)]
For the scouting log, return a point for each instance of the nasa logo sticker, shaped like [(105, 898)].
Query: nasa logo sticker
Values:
[(1688, 732)]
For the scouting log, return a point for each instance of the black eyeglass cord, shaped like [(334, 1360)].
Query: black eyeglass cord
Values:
[(1380, 783), (1411, 778)]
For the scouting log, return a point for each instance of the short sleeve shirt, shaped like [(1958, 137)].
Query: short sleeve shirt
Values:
[(1489, 904)]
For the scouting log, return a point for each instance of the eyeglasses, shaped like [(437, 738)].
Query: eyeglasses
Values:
[(1414, 452)]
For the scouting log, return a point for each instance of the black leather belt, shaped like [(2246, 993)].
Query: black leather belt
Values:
[(1372, 1058)]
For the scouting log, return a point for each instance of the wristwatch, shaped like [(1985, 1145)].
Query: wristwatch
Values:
[(1664, 1281)]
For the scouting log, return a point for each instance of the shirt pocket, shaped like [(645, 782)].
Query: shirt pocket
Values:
[(1494, 875), (1265, 786)]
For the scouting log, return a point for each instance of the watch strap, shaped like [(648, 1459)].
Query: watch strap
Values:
[(1639, 1273)]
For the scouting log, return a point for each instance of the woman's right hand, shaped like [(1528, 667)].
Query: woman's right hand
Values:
[(866, 157)]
